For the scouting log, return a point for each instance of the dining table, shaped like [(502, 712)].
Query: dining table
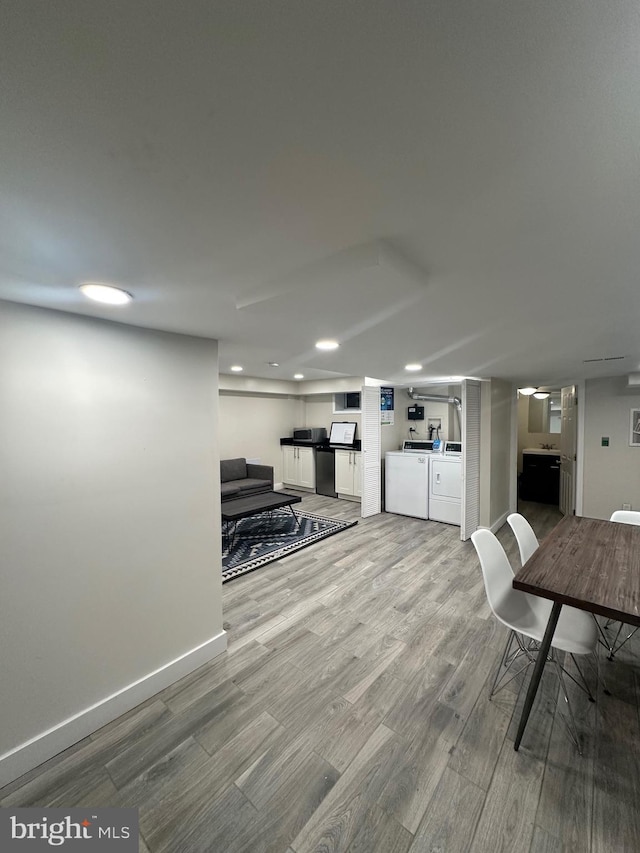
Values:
[(587, 563)]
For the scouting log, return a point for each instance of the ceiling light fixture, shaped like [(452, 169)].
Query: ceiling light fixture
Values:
[(298, 375), (527, 391), (236, 368), (106, 293), (327, 345), (541, 395), (413, 367)]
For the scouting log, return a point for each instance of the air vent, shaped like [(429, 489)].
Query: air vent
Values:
[(604, 358)]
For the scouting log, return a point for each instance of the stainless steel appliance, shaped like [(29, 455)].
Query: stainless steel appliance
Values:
[(326, 471), (310, 434)]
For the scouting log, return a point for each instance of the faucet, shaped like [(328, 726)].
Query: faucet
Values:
[(548, 446)]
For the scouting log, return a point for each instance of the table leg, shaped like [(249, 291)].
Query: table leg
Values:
[(295, 518), (231, 534), (536, 675)]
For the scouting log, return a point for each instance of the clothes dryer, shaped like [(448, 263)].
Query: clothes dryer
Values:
[(445, 488)]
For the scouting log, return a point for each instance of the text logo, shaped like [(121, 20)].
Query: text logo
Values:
[(98, 829)]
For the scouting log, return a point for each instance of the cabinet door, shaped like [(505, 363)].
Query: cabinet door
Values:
[(306, 467), (344, 472), (357, 474), (446, 481), (289, 465)]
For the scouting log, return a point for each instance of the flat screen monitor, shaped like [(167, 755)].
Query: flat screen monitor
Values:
[(342, 432)]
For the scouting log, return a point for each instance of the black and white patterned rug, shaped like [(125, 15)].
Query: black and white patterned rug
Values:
[(262, 538)]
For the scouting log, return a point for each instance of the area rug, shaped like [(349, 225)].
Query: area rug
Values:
[(263, 538)]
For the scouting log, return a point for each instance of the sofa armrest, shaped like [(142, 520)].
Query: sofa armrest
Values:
[(260, 472)]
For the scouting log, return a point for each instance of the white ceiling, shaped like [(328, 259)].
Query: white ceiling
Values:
[(449, 182)]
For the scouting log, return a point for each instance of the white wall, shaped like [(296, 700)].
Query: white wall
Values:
[(501, 408), (319, 413), (109, 518), (450, 427), (254, 417), (495, 451), (252, 424), (485, 455), (611, 474)]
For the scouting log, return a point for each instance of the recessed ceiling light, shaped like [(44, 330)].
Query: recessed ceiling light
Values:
[(527, 391), (274, 364), (541, 395), (298, 375), (327, 345), (236, 368), (105, 293), (413, 367)]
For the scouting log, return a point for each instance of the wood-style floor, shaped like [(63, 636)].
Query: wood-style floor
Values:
[(351, 713)]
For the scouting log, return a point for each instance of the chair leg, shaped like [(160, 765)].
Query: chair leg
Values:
[(626, 640), (603, 639), (584, 686), (593, 663), (505, 654), (612, 646), (507, 660), (571, 722)]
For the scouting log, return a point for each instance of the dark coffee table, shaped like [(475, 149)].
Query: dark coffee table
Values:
[(234, 510)]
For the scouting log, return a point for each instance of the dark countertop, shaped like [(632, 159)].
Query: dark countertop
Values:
[(290, 442)]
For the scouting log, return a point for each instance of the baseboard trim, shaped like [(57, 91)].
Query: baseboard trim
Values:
[(500, 522), (30, 754)]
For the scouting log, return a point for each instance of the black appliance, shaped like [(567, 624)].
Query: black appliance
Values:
[(310, 434)]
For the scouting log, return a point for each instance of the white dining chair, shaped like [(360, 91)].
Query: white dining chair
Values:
[(526, 616), (525, 536), (620, 516), (625, 516)]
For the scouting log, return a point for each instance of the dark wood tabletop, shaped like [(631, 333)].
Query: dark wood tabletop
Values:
[(590, 564)]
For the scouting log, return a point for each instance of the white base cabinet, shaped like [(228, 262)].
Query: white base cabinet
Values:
[(299, 467), (348, 474)]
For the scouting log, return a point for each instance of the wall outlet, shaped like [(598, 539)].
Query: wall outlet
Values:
[(626, 506)]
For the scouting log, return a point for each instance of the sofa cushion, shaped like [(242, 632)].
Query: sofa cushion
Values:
[(233, 469), (253, 485), (245, 487), (228, 490)]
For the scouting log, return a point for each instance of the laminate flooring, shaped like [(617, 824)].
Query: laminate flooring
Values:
[(351, 713)]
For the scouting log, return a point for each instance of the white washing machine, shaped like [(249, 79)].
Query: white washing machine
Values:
[(406, 477), (445, 488)]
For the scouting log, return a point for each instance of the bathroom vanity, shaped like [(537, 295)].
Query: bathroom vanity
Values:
[(540, 480)]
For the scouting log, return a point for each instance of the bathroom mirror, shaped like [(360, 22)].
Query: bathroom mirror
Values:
[(544, 415)]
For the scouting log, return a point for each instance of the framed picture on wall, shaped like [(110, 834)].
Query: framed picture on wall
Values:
[(634, 428)]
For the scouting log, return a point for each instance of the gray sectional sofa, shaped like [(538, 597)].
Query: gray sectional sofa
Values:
[(239, 478)]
